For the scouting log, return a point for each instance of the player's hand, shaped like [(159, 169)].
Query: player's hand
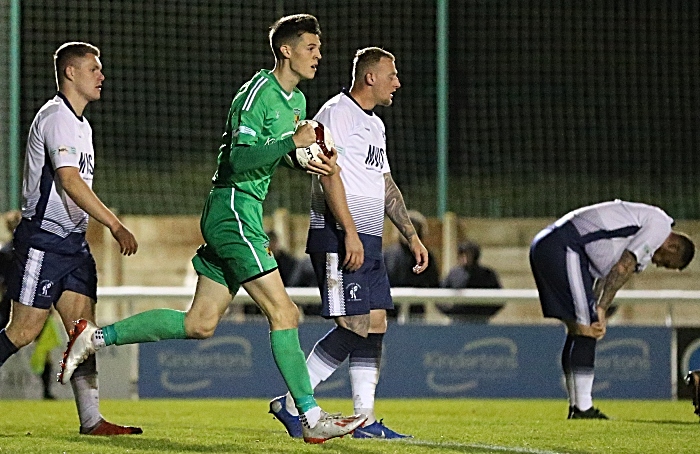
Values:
[(420, 253), (127, 241), (354, 253), (597, 330), (327, 166), (304, 136), (600, 327)]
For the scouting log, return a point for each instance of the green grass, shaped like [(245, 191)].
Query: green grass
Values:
[(439, 426)]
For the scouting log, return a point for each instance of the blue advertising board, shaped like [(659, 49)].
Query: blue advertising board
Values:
[(418, 361)]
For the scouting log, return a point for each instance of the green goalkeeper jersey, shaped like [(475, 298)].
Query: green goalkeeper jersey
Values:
[(262, 119)]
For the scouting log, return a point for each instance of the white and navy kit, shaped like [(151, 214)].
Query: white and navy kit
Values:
[(584, 245), (360, 139), (51, 253)]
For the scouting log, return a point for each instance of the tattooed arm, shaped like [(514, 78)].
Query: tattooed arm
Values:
[(616, 278), (395, 208)]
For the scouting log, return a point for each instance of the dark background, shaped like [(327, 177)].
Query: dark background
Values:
[(553, 104)]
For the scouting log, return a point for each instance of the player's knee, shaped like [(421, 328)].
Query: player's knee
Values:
[(201, 329), (21, 336), (284, 316)]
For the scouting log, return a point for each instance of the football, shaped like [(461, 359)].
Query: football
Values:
[(300, 157)]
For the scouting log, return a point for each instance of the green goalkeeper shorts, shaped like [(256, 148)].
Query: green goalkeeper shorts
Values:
[(236, 248)]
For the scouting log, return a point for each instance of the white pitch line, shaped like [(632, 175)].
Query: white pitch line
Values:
[(495, 448)]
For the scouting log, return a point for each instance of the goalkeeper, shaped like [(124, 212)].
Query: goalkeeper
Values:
[(260, 130)]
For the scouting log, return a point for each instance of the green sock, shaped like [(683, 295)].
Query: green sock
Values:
[(292, 365), (149, 326)]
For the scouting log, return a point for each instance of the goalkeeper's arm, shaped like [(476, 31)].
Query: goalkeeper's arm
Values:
[(251, 157)]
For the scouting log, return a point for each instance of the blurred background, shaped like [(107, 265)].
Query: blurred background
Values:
[(550, 105), (511, 113)]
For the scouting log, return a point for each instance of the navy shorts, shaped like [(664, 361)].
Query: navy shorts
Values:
[(38, 278), (356, 293), (561, 270)]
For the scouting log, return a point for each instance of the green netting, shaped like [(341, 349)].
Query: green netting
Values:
[(552, 104)]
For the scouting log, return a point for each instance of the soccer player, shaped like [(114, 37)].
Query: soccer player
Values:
[(52, 263), (579, 264), (348, 260), (260, 130)]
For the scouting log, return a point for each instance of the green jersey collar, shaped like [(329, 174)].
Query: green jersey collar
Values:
[(268, 73)]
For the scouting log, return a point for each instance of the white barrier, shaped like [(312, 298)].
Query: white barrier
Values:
[(403, 297)]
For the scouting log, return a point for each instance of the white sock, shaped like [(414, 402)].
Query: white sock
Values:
[(364, 383), (583, 383), (319, 371), (570, 388), (311, 417), (87, 399), (98, 339)]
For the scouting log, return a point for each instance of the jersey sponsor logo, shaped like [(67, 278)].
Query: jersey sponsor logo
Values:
[(63, 150), (86, 165), (375, 157)]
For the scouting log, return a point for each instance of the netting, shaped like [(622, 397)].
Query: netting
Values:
[(567, 103), (553, 104)]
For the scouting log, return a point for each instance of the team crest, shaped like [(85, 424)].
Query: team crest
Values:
[(44, 287), (297, 115), (266, 245), (352, 289)]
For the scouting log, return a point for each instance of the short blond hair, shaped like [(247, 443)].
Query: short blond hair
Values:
[(66, 54)]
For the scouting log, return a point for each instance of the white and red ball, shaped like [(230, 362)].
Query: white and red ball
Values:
[(300, 157)]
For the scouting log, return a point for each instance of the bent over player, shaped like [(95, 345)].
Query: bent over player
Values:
[(52, 263), (355, 286), (605, 243), (260, 130)]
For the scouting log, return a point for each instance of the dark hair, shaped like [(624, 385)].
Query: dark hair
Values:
[(470, 247), (687, 249), (67, 53), (288, 29), (366, 58)]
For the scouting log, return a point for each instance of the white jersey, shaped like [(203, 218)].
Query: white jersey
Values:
[(608, 229), (360, 139), (57, 138)]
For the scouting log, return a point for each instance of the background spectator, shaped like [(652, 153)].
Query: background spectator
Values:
[(469, 273)]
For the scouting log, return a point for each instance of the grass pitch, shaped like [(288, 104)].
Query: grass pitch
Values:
[(439, 426)]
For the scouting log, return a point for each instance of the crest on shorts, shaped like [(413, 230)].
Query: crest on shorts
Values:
[(44, 287), (266, 245), (353, 288)]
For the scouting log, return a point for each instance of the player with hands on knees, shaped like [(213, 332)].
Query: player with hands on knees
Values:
[(581, 261)]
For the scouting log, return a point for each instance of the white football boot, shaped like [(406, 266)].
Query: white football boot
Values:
[(80, 346), (330, 426)]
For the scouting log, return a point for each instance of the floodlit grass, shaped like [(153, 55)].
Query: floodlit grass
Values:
[(440, 426)]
